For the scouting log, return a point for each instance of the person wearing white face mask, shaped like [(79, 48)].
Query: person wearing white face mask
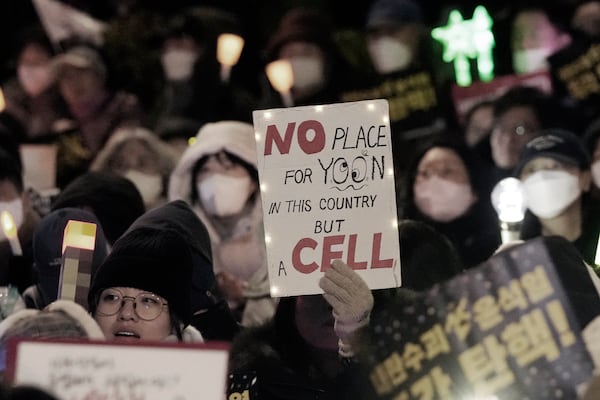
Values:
[(31, 96), (304, 38), (192, 91), (394, 34), (399, 52), (443, 189), (140, 156), (555, 171), (535, 36), (218, 177), (16, 269)]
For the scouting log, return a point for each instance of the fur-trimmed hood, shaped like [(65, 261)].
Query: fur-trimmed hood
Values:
[(234, 137)]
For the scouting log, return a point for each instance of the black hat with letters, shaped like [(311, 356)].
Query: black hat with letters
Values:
[(557, 144)]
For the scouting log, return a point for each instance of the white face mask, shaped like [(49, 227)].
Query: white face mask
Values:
[(443, 200), (389, 54), (34, 79), (549, 193), (531, 60), (309, 73), (178, 64), (15, 208), (596, 173), (223, 195), (150, 186)]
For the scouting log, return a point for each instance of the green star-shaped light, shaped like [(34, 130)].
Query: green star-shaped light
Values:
[(468, 39)]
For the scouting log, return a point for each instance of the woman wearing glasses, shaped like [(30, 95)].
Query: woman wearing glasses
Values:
[(142, 291)]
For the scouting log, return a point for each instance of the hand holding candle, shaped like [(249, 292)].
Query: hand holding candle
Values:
[(10, 231)]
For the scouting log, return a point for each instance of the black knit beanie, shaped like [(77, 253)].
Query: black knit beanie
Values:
[(152, 260)]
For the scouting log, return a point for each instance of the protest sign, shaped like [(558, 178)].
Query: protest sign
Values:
[(504, 330), (87, 370), (464, 98), (576, 73), (327, 186), (39, 165), (414, 104)]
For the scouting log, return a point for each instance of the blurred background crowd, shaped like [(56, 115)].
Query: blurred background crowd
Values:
[(114, 109)]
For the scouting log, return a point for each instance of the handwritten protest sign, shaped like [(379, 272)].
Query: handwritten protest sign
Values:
[(504, 330), (101, 370), (327, 187)]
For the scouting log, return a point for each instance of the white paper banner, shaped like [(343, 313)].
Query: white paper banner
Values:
[(79, 371), (327, 187)]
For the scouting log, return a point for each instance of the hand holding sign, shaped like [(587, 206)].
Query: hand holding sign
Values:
[(351, 300)]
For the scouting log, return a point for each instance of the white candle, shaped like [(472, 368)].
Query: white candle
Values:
[(229, 49), (10, 231), (281, 77)]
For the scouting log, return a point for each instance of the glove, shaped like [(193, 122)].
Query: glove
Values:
[(351, 300)]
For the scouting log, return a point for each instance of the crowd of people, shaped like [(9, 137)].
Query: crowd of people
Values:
[(167, 169)]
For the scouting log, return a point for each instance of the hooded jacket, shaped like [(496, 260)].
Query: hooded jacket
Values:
[(165, 158), (241, 249)]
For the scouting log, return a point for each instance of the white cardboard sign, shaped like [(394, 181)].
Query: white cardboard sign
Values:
[(327, 189), (103, 370), (39, 165)]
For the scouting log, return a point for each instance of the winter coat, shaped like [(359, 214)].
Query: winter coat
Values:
[(273, 362), (239, 250)]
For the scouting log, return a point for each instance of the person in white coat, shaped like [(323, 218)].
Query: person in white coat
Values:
[(218, 177)]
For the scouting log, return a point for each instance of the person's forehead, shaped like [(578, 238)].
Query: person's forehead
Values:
[(531, 20), (519, 114), (8, 190), (299, 48), (440, 155), (545, 161), (71, 72), (130, 291), (33, 52)]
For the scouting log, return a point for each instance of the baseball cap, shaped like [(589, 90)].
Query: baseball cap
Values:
[(79, 57), (557, 144)]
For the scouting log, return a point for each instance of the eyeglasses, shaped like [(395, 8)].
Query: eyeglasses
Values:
[(147, 306)]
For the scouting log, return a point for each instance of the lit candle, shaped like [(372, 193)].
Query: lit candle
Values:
[(10, 231), (2, 100), (229, 49), (281, 77)]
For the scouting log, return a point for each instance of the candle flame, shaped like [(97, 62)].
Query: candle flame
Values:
[(8, 225)]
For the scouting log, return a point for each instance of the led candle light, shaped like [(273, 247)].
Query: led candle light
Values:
[(281, 77), (76, 269), (229, 49), (509, 202), (10, 231)]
